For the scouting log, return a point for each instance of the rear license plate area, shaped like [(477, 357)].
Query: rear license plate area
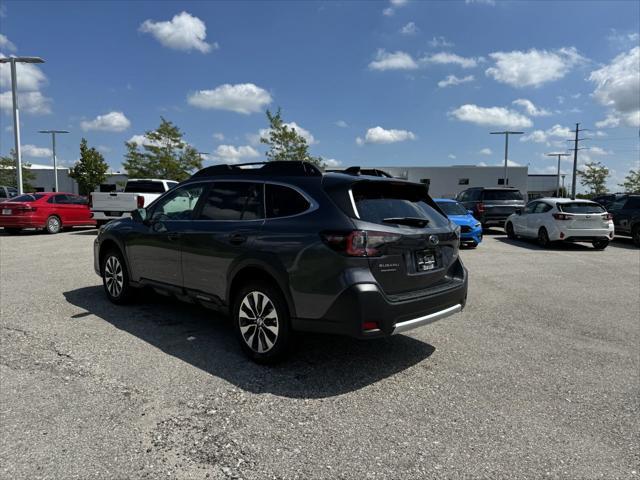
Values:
[(114, 214), (425, 260), (6, 211)]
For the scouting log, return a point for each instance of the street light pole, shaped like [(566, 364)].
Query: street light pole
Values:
[(16, 113), (55, 159), (559, 155), (506, 151)]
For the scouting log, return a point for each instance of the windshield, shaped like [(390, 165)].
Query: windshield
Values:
[(580, 207), (377, 201), (452, 208), (29, 197), (502, 195)]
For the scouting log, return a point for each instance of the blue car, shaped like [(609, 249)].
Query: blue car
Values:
[(470, 228)]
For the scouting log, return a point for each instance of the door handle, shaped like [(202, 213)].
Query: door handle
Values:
[(173, 236), (237, 238)]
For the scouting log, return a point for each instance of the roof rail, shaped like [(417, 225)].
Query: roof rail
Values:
[(281, 167), (355, 170)]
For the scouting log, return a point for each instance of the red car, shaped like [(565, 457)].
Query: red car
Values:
[(48, 210)]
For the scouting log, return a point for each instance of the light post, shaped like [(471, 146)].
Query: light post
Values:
[(55, 160), (559, 155), (16, 113), (506, 151)]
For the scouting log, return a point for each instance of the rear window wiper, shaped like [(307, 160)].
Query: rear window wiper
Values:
[(411, 221)]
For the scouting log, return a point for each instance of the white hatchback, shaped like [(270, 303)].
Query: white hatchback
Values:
[(562, 219)]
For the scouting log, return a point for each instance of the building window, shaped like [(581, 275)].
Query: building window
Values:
[(426, 181), (463, 181), (501, 181)]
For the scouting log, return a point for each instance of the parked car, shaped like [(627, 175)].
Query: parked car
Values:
[(562, 219), (607, 199), (626, 216), (491, 205), (286, 248), (470, 227), (138, 192), (45, 210), (7, 192)]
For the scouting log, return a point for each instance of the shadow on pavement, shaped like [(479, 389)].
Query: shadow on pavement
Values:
[(319, 366), (558, 246), (623, 242)]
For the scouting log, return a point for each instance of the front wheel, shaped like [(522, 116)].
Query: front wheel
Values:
[(635, 235), (115, 278), (600, 244), (261, 322), (543, 238)]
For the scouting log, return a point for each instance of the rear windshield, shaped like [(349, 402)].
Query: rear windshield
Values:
[(29, 197), (580, 207), (452, 208), (144, 187), (376, 201), (502, 195)]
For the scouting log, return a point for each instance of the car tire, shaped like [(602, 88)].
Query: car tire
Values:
[(510, 232), (115, 278), (262, 323), (53, 225), (543, 238), (635, 235), (600, 244), (472, 244), (12, 231)]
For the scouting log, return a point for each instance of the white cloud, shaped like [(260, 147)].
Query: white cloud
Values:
[(218, 136), (392, 61), (332, 162), (182, 32), (381, 135), (231, 154), (436, 42), (599, 151), (6, 44), (30, 77), (37, 152), (389, 11), (618, 87), (481, 2), (486, 151), (546, 136), (30, 102), (144, 140), (451, 156), (109, 122), (342, 124), (534, 67), (530, 108), (446, 58), (623, 41), (491, 116), (243, 98), (453, 80), (303, 132), (409, 29)]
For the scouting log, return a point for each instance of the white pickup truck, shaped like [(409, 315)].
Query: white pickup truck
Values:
[(138, 193)]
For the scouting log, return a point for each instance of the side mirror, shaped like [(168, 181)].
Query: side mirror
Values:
[(139, 215), (518, 211)]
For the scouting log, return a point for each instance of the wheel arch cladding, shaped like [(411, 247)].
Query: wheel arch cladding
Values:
[(257, 272), (108, 245)]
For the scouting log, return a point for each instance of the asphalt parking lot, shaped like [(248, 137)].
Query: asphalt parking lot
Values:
[(538, 378)]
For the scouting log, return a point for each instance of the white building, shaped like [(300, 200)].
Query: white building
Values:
[(45, 181)]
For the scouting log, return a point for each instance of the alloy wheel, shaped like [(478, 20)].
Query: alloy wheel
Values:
[(113, 276), (53, 224), (258, 322)]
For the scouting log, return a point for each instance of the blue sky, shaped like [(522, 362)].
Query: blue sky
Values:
[(370, 83)]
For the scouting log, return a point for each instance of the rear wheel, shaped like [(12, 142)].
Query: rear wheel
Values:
[(543, 238), (600, 244), (53, 225), (115, 278), (510, 233), (635, 234), (261, 322)]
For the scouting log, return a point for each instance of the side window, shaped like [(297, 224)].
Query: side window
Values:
[(531, 207), (284, 201), (3, 193), (179, 204), (233, 201), (463, 196), (542, 208), (59, 199), (474, 195), (618, 204)]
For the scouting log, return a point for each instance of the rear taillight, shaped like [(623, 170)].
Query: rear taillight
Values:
[(26, 209), (607, 216), (480, 207), (359, 243), (140, 201), (562, 216)]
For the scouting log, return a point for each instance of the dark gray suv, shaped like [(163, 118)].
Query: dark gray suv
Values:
[(283, 247)]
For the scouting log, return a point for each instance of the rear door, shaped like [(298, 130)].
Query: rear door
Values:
[(82, 213), (62, 206), (537, 218), (409, 243)]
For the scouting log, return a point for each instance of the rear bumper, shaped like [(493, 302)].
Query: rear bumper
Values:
[(581, 235), (472, 236), (21, 222), (365, 302), (99, 215)]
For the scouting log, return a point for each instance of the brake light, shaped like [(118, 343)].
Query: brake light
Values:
[(607, 216), (359, 243), (140, 201), (562, 216), (480, 207)]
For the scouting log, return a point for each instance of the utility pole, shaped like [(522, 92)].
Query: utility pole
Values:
[(559, 155), (506, 151), (563, 175), (55, 160), (575, 159), (16, 112)]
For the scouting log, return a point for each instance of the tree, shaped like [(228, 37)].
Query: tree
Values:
[(285, 143), (631, 182), (163, 155), (594, 177), (8, 175), (90, 171)]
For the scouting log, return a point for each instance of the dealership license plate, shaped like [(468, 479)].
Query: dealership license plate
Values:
[(114, 214), (6, 211), (425, 260)]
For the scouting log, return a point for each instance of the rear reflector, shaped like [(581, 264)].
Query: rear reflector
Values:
[(370, 326), (562, 216), (140, 201)]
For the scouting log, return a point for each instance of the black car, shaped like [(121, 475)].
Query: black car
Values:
[(626, 216), (491, 205), (607, 199), (283, 247)]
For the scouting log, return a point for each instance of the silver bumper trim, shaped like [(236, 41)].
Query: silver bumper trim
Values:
[(420, 321)]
